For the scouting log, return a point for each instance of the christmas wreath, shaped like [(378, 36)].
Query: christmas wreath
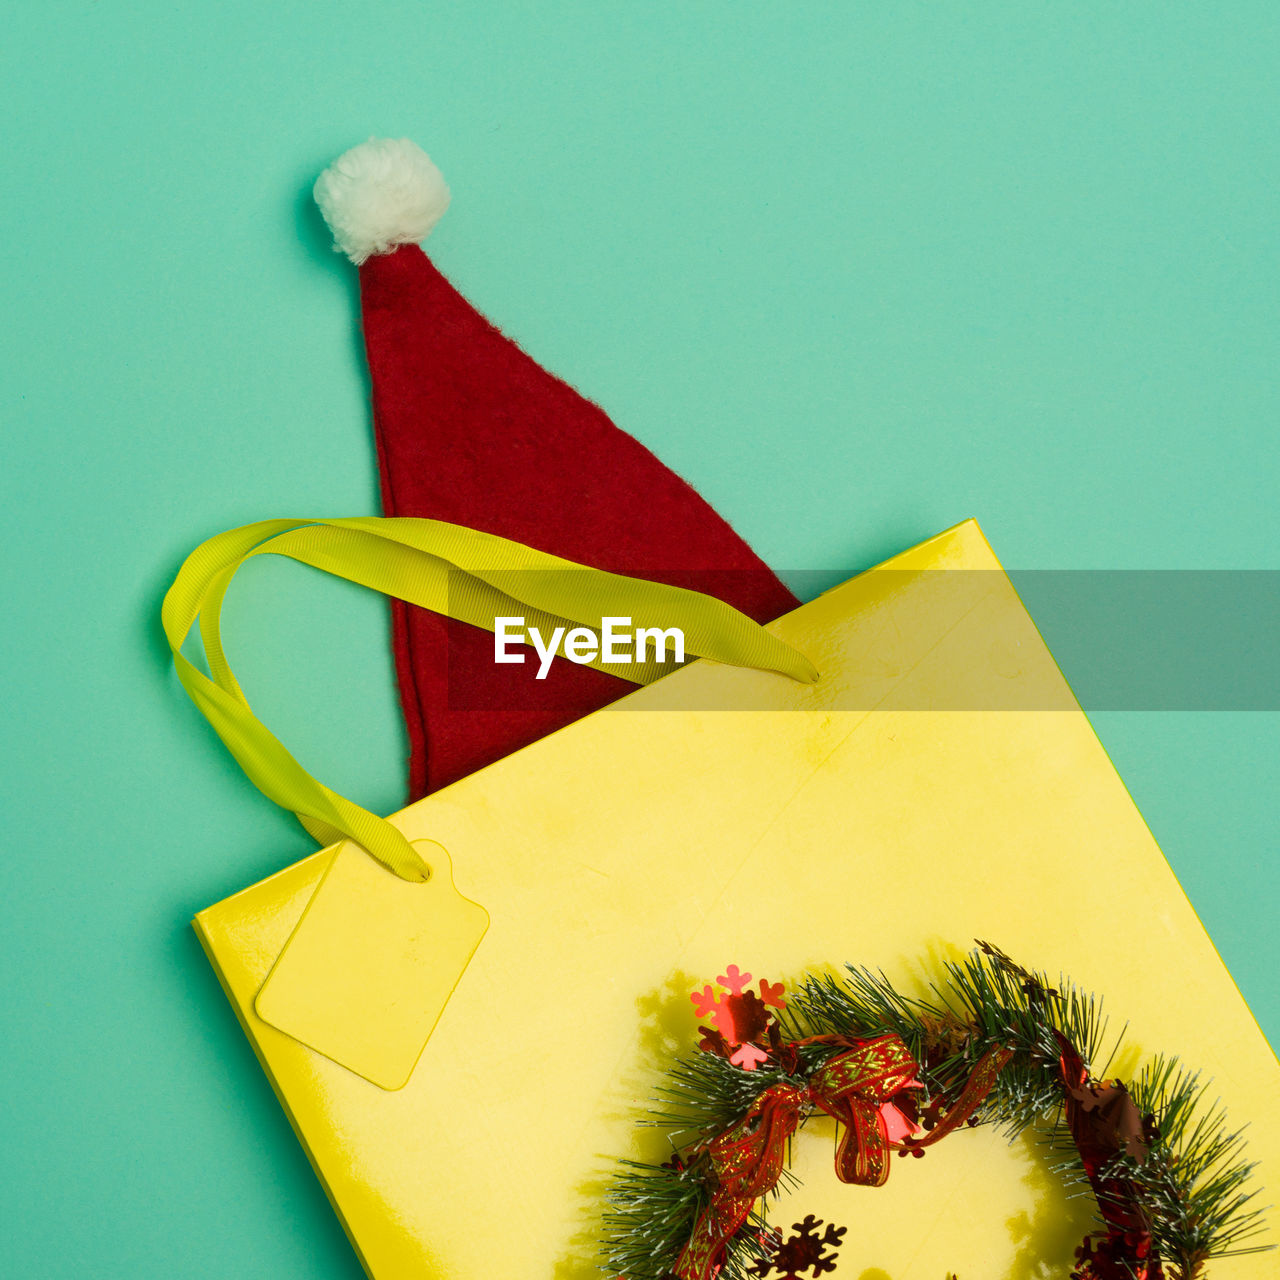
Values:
[(993, 1044)]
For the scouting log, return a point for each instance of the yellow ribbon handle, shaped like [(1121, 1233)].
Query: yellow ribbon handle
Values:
[(459, 572)]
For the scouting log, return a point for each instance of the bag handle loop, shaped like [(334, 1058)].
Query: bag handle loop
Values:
[(459, 572)]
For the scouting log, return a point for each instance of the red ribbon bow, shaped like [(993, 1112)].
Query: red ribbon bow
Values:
[(747, 1160), (1105, 1122)]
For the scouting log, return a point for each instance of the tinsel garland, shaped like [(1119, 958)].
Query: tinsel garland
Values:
[(993, 1044)]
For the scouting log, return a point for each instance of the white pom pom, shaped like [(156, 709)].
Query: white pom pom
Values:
[(383, 193)]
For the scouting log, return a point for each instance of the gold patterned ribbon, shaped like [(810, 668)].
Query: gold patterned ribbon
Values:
[(747, 1160)]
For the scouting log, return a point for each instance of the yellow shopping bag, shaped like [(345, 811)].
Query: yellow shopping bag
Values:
[(937, 784)]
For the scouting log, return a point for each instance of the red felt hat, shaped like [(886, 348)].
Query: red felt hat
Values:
[(471, 430)]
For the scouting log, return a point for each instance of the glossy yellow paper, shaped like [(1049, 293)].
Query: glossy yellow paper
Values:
[(373, 963), (636, 853)]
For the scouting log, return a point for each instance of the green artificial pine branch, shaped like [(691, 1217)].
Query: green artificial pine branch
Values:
[(1192, 1182), (1195, 1174)]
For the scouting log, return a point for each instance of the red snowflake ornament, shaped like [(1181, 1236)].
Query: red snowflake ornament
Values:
[(748, 1057), (734, 980), (742, 1028), (771, 994), (705, 1001), (805, 1253)]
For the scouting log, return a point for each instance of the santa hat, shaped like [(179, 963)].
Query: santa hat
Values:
[(469, 429)]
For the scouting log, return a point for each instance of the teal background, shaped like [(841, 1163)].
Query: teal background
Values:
[(856, 271)]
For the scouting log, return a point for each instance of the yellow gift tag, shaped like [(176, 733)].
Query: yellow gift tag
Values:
[(373, 962)]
